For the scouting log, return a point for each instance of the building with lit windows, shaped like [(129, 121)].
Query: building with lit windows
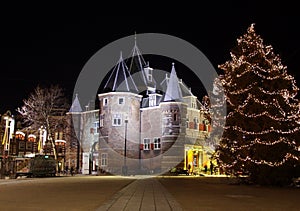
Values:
[(142, 125), (28, 142)]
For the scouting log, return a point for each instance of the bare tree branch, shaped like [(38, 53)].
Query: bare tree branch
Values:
[(45, 107)]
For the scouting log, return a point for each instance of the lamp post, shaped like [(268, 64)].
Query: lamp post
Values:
[(77, 156), (125, 149), (8, 130), (42, 139)]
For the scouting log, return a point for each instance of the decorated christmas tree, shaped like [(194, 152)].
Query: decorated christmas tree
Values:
[(217, 111), (261, 135)]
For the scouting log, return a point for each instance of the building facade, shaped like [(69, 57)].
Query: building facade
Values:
[(142, 126)]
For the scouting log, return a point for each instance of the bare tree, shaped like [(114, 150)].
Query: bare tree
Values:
[(45, 107)]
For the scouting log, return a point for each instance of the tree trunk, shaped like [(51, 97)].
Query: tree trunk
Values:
[(52, 143)]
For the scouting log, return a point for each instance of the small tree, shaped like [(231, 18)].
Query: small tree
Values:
[(45, 107), (261, 136)]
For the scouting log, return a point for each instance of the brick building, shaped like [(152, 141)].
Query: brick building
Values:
[(141, 126)]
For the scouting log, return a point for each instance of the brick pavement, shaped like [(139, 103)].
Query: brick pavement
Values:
[(142, 194)]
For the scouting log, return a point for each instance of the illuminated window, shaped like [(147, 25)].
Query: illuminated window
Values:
[(149, 74), (104, 159), (60, 135), (146, 143), (152, 100), (20, 135), (156, 143), (96, 126)]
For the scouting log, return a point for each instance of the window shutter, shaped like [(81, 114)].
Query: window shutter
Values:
[(141, 146), (152, 146), (201, 127)]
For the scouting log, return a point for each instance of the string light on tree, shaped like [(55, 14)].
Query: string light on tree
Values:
[(262, 125)]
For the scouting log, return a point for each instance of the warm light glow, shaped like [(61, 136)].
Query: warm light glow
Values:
[(31, 138), (263, 111)]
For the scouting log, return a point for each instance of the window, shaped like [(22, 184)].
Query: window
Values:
[(195, 123), (21, 145), (104, 159), (152, 100), (146, 143), (96, 126), (59, 149), (56, 136), (150, 78), (187, 123), (193, 104), (117, 120), (175, 117), (105, 101), (156, 143), (28, 146), (101, 124), (60, 135), (73, 144), (149, 75), (121, 100)]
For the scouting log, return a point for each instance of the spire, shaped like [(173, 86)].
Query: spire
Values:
[(139, 68), (120, 78), (173, 91), (137, 62), (76, 105)]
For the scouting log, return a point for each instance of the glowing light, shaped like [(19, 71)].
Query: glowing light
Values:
[(263, 111)]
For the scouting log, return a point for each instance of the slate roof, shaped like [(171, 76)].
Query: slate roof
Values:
[(137, 67), (120, 79), (76, 105), (173, 91)]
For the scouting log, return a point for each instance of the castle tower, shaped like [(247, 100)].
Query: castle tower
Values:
[(173, 123), (73, 156), (119, 122)]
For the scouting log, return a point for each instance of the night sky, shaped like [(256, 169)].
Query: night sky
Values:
[(53, 48)]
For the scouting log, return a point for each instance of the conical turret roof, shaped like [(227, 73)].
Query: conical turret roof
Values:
[(139, 69), (173, 92), (76, 105), (120, 79)]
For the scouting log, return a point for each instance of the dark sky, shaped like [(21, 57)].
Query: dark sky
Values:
[(53, 48)]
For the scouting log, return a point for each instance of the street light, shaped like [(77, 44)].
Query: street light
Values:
[(7, 136), (125, 150), (42, 139)]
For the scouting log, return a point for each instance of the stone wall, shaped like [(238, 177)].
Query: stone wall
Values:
[(121, 120)]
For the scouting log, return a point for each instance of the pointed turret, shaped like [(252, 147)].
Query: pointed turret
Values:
[(140, 70), (173, 92), (120, 79), (76, 105), (137, 62)]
